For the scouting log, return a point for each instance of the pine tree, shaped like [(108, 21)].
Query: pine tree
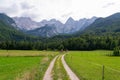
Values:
[(61, 47), (116, 51)]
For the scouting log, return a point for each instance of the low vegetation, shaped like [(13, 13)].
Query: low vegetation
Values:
[(88, 65)]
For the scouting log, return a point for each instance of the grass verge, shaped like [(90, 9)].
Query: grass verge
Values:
[(59, 72)]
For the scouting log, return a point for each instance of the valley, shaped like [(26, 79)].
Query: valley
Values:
[(59, 40)]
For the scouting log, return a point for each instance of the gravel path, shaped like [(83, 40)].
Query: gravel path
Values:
[(69, 71), (48, 75)]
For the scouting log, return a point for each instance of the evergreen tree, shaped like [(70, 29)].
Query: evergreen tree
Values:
[(116, 51), (61, 47)]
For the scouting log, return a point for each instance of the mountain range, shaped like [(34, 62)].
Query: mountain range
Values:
[(22, 28), (52, 27)]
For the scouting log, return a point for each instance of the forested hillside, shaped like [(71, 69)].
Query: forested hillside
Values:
[(102, 26), (9, 31)]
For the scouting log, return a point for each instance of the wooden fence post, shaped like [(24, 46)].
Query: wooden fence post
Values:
[(103, 72)]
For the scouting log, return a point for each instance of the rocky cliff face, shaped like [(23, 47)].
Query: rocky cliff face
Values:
[(25, 23)]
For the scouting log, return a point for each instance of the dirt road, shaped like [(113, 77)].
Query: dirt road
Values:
[(48, 75), (68, 70)]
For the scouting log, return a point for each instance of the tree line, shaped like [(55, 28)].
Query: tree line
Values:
[(86, 42)]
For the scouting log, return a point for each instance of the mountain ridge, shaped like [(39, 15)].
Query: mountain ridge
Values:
[(69, 27), (105, 25)]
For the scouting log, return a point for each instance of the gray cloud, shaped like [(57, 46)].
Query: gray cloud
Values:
[(11, 10), (67, 15), (59, 9), (108, 5), (25, 5), (31, 15)]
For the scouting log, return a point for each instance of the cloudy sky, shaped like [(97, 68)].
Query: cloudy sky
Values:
[(59, 9)]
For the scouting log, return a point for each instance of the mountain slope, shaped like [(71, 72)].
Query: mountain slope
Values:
[(53, 22), (105, 25), (8, 30), (8, 21), (72, 25), (25, 23), (45, 31)]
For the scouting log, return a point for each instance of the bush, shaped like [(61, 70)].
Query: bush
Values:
[(116, 51)]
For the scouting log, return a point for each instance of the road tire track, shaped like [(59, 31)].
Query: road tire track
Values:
[(71, 74), (48, 75)]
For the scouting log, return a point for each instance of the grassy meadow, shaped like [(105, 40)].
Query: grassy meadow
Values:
[(88, 65), (24, 65), (31, 65)]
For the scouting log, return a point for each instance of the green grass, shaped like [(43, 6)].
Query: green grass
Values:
[(88, 64), (26, 53), (59, 72), (24, 65), (14, 66)]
